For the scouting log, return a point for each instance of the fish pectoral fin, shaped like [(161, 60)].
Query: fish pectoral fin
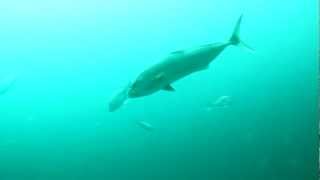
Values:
[(159, 78), (168, 88)]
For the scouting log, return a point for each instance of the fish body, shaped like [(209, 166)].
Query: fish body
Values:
[(174, 67)]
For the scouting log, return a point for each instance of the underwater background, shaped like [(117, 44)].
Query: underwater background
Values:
[(62, 61)]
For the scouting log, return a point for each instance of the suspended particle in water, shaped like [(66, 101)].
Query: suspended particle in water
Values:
[(7, 83), (98, 123), (30, 118)]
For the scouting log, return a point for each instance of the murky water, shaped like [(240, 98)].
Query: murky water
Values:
[(62, 62)]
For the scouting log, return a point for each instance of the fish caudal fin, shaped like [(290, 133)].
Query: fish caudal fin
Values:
[(235, 38)]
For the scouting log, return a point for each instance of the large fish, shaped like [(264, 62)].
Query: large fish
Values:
[(175, 66)]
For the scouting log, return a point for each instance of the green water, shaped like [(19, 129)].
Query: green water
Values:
[(69, 57)]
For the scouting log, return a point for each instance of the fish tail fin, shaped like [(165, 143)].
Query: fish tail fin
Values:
[(235, 38)]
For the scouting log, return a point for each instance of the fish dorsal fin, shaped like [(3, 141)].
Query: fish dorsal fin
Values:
[(206, 45), (212, 44), (168, 88), (177, 52)]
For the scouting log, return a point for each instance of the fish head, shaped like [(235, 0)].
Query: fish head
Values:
[(136, 89), (118, 100), (142, 86)]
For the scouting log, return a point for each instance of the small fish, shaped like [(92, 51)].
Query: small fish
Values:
[(145, 125), (221, 102)]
